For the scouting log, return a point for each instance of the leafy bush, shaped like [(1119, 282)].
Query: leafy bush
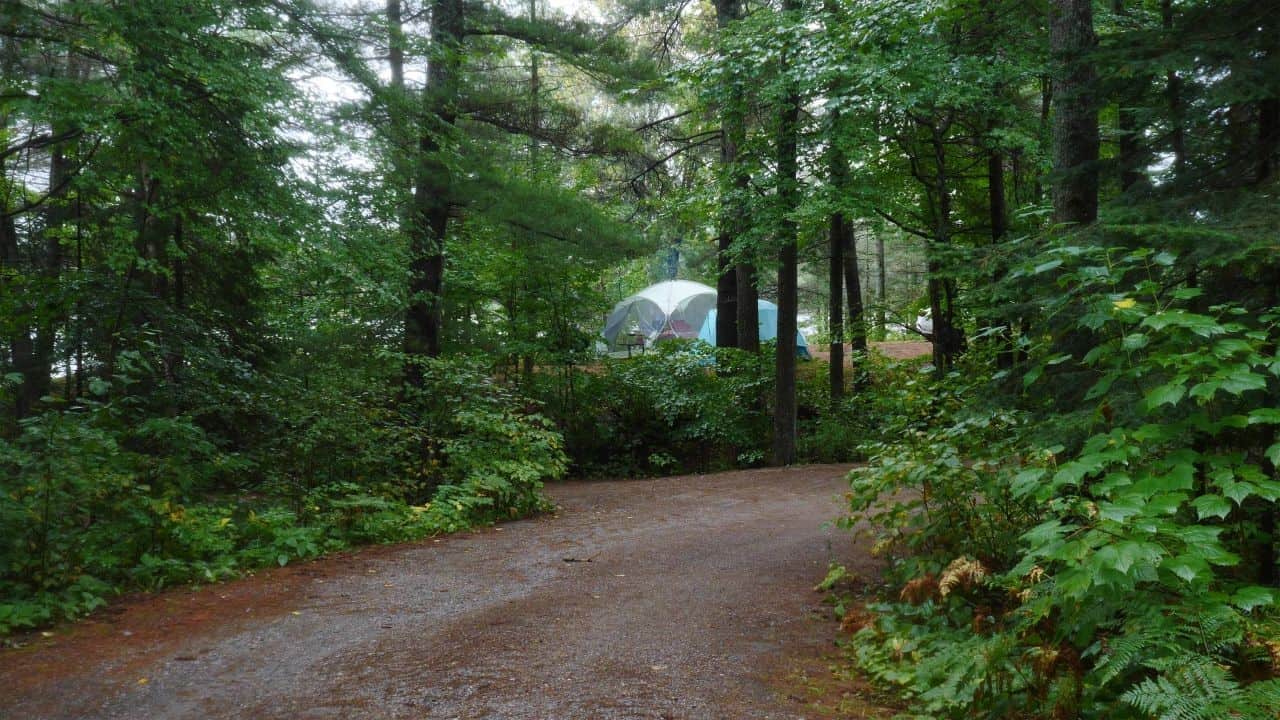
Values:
[(695, 408), (1109, 550), (689, 407), (94, 500)]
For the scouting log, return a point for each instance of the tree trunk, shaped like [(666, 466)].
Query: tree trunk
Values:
[(1268, 138), (1173, 96), (535, 91), (1129, 145), (784, 411), (173, 356), (947, 341), (732, 133), (395, 43), (748, 307), (838, 235), (881, 293), (1075, 117), (835, 304), (998, 210), (37, 379), (857, 326), (726, 293), (21, 348), (1046, 103), (432, 190)]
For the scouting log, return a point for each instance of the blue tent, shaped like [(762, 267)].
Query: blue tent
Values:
[(768, 319)]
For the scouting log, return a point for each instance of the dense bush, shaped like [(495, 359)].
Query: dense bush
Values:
[(99, 498), (676, 407), (690, 407), (1106, 547)]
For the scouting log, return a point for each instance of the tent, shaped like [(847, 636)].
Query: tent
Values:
[(675, 308), (767, 314)]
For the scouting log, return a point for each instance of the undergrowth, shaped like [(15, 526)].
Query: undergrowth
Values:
[(690, 407), (1093, 533), (95, 502)]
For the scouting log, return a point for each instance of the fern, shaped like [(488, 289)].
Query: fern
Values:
[(1132, 649), (1199, 689)]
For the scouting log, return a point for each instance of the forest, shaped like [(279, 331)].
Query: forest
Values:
[(284, 277)]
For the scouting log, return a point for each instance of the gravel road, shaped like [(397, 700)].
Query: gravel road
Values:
[(683, 597)]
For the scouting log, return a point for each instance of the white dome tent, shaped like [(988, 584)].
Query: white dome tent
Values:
[(671, 309)]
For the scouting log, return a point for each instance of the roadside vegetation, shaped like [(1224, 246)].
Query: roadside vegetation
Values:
[(280, 277)]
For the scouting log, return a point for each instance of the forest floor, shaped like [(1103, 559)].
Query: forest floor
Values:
[(893, 349), (685, 597)]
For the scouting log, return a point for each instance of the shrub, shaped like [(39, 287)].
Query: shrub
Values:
[(102, 497), (1123, 520)]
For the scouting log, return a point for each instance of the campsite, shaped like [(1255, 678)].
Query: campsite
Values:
[(607, 359)]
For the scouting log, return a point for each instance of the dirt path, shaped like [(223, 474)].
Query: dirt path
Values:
[(895, 350), (675, 598)]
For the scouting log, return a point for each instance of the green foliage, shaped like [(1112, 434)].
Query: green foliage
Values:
[(102, 498), (1123, 519), (680, 406), (690, 408)]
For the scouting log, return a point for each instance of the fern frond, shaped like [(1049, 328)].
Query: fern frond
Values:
[(1199, 689)]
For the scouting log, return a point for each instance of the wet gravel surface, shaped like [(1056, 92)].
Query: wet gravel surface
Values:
[(673, 598)]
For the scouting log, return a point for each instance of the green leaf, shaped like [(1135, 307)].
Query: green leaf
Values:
[(1102, 386), (1268, 416), (1045, 532), (1204, 391), (1211, 506), (1186, 566), (1121, 510), (1253, 596), (1199, 324), (1239, 491), (1166, 503), (1026, 482), (1032, 375), (1131, 553), (1168, 394), (1241, 380), (1134, 341)]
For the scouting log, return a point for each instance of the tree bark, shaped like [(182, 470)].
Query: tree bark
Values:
[(881, 293), (857, 325), (1046, 104), (835, 304), (1268, 138), (1129, 145), (784, 411), (838, 235), (21, 347), (432, 189), (37, 380), (729, 317), (1173, 96), (748, 307), (1075, 117), (947, 340)]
